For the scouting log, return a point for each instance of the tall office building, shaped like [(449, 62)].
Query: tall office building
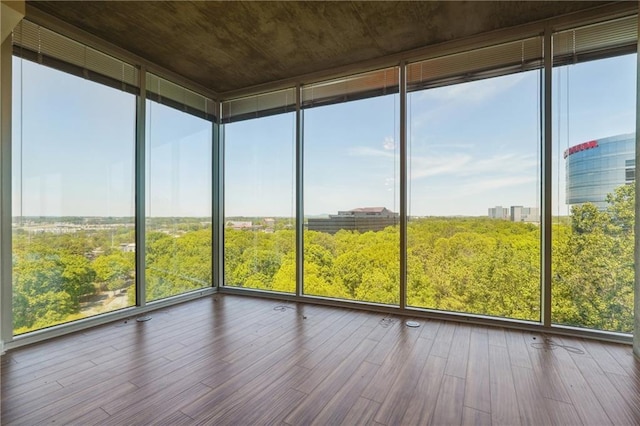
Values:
[(515, 213), (361, 219), (596, 168)]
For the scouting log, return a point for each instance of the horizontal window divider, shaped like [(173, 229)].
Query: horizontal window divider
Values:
[(592, 333), (255, 292), (181, 106), (473, 76), (409, 312), (350, 97), (104, 319), (326, 301), (429, 314), (259, 114), (568, 59), (259, 105), (75, 70)]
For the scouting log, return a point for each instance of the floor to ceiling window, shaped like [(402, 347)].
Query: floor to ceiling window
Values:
[(594, 104), (73, 181), (351, 188), (259, 182), (473, 237), (474, 139), (179, 131)]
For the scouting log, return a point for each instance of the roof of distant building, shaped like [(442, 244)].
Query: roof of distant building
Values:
[(369, 209), (237, 224)]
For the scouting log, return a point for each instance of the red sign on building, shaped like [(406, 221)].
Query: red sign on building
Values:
[(580, 147)]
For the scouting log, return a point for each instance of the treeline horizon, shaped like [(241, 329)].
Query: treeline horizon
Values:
[(208, 218), (462, 264)]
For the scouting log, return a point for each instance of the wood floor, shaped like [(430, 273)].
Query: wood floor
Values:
[(243, 361)]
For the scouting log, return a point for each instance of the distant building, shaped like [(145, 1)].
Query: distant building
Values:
[(128, 247), (524, 214), (236, 224), (361, 219), (596, 168), (515, 213), (498, 212)]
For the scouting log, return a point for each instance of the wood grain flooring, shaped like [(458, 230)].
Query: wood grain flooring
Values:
[(235, 360)]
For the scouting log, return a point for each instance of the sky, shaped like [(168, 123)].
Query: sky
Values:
[(471, 146), (72, 145)]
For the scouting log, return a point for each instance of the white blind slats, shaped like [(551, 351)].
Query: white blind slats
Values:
[(113, 68), (521, 54), (179, 97), (259, 105), (368, 84), (595, 38), (50, 44)]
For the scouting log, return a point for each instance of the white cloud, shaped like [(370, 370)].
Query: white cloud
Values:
[(461, 146), (389, 143), (365, 151), (458, 164), (483, 185), (438, 165), (505, 164), (475, 91), (390, 184), (388, 146), (464, 165), (433, 105)]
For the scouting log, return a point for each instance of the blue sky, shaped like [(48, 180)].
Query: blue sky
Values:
[(179, 158), (592, 100), (259, 173), (73, 157), (473, 146)]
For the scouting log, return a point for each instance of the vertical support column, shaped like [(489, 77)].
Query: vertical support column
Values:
[(403, 185), (299, 195), (140, 176), (546, 162), (636, 224), (217, 163), (6, 318)]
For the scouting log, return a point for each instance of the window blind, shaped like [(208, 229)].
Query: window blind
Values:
[(175, 96), (49, 48), (595, 41), (360, 86), (261, 105), (506, 58)]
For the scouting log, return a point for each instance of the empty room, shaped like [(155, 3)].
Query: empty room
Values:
[(324, 212)]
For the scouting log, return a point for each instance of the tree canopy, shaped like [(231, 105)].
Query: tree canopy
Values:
[(474, 265)]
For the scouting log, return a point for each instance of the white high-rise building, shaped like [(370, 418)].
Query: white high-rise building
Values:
[(498, 212)]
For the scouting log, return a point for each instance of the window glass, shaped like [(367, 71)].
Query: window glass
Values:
[(594, 199), (351, 236), (473, 235), (73, 197), (178, 201), (260, 203)]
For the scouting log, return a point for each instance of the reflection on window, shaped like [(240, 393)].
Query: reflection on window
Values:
[(594, 181), (73, 197), (351, 237), (260, 203), (473, 200), (178, 223)]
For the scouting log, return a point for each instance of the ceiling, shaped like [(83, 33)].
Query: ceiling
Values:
[(231, 45)]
